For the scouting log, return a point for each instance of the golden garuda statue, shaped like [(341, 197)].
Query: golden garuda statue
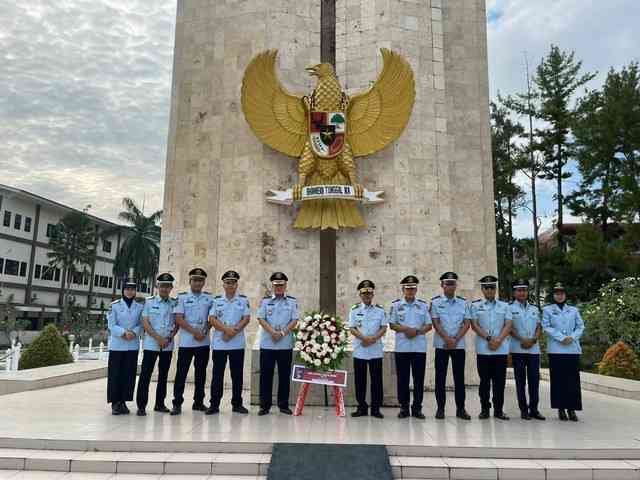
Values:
[(328, 129)]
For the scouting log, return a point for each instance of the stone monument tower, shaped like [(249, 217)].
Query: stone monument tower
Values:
[(438, 209)]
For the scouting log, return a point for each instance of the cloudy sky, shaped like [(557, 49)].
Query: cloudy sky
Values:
[(86, 83)]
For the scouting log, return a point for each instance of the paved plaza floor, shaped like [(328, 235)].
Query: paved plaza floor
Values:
[(79, 412)]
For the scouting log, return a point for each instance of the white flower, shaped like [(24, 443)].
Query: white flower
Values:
[(317, 362), (307, 318), (326, 361), (332, 328), (325, 333), (334, 355), (298, 345)]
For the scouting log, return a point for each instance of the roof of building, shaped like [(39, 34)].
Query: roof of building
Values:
[(53, 204)]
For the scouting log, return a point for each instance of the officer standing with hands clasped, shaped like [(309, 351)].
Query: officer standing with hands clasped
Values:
[(451, 324), (368, 324), (278, 316), (491, 320), (409, 318), (192, 315), (229, 315), (125, 328), (564, 326), (525, 350), (160, 327)]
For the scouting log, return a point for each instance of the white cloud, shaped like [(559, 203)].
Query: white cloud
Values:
[(85, 104)]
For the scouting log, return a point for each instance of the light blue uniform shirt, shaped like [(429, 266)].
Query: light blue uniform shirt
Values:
[(559, 323), (162, 320), (368, 319), (491, 317), (526, 318), (452, 313), (229, 312), (413, 315), (278, 312), (195, 309), (120, 319)]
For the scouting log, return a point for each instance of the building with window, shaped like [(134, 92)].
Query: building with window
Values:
[(35, 288)]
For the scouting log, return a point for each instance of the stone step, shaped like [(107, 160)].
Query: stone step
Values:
[(157, 463), (35, 475), (446, 468)]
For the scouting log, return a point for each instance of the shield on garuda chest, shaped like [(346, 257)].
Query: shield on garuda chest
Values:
[(327, 133)]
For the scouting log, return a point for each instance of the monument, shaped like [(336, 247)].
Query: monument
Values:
[(437, 213)]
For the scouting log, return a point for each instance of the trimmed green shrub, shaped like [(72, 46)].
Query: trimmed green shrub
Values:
[(620, 361), (49, 348)]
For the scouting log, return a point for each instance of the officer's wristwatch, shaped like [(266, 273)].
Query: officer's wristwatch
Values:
[(488, 338)]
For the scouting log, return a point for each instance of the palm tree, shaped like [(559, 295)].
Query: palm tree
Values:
[(140, 250)]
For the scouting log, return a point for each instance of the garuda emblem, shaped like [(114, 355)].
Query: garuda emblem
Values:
[(327, 130)]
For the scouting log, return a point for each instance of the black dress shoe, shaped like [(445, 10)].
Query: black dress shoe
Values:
[(500, 416), (524, 415), (572, 416), (123, 409), (286, 410), (562, 415), (115, 409), (484, 414), (199, 407), (361, 412), (403, 413), (212, 411), (440, 414), (240, 409), (263, 411), (462, 414), (537, 416), (141, 412), (161, 408), (176, 410), (377, 414), (418, 414)]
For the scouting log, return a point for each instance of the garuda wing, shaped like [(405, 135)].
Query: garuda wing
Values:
[(278, 118), (378, 116)]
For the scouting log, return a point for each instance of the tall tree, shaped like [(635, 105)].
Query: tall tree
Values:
[(140, 248), (527, 104), (557, 79), (607, 139), (73, 250), (508, 196)]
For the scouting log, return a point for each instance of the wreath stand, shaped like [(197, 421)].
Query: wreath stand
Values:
[(338, 394)]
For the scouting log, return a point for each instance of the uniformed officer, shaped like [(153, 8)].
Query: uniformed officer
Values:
[(525, 350), (491, 320), (192, 314), (228, 316), (124, 327), (278, 316), (160, 327), (409, 318), (368, 325), (564, 326), (451, 323)]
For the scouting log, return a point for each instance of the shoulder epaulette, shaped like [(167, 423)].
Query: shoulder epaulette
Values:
[(150, 298), (354, 306), (396, 300), (182, 293), (175, 299), (434, 297), (207, 293), (218, 296), (420, 300), (240, 295), (266, 296), (114, 302), (461, 298), (476, 301), (289, 296), (379, 306)]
